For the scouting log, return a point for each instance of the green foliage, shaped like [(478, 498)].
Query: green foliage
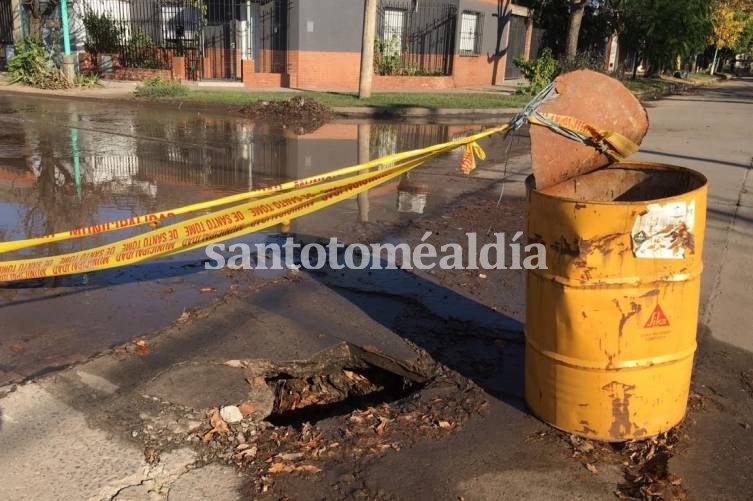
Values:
[(103, 33), (139, 52), (662, 30), (744, 43), (539, 72), (30, 66), (388, 60), (542, 70), (387, 56), (157, 87), (87, 81), (583, 60), (28, 60), (140, 42), (657, 30)]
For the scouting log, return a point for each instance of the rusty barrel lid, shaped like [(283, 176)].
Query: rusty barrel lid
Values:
[(596, 99)]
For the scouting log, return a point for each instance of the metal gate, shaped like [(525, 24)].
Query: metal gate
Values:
[(225, 25), (516, 46), (412, 41), (6, 30), (245, 29), (537, 42), (145, 34)]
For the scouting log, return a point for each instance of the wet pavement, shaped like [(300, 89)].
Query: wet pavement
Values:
[(66, 164)]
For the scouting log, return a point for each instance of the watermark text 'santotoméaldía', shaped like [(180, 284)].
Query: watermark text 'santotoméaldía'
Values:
[(502, 254)]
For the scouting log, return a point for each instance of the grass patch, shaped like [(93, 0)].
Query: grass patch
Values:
[(646, 84), (87, 81), (702, 77), (157, 87), (336, 100)]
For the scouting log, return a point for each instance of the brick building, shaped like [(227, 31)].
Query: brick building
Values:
[(426, 43), (311, 44), (431, 44)]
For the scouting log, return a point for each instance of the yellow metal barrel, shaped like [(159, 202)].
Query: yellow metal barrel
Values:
[(611, 323)]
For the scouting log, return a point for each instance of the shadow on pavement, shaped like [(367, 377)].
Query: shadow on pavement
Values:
[(71, 285), (482, 344), (701, 159)]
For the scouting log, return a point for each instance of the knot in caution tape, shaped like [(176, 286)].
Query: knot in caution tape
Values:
[(612, 144), (472, 150)]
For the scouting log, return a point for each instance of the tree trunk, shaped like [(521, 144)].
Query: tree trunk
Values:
[(653, 70), (367, 49), (35, 28), (38, 16), (577, 9)]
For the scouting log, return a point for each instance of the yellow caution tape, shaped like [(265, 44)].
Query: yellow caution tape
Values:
[(278, 204), (219, 225), (472, 150), (158, 217)]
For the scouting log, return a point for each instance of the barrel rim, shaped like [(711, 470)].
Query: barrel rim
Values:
[(634, 165)]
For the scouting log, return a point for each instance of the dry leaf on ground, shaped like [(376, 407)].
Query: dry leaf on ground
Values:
[(308, 468), (218, 426), (281, 468)]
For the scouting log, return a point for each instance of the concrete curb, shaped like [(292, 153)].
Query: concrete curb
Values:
[(412, 111), (654, 94)]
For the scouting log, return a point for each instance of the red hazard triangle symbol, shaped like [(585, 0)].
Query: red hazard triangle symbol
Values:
[(657, 319)]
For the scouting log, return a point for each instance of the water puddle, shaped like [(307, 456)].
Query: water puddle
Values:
[(67, 164)]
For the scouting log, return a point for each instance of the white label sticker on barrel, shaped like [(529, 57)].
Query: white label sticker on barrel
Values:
[(664, 231)]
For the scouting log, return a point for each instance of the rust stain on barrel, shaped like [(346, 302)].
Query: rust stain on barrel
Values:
[(635, 308), (620, 395)]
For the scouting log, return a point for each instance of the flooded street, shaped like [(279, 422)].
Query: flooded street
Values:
[(67, 164)]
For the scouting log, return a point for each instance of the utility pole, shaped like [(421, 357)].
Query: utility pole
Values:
[(69, 69), (367, 49)]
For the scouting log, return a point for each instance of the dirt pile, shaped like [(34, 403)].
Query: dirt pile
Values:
[(299, 114)]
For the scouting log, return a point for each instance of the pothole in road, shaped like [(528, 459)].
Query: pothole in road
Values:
[(341, 406), (321, 396)]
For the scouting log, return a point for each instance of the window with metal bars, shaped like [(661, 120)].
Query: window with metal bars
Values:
[(415, 41), (6, 25), (470, 33), (393, 31)]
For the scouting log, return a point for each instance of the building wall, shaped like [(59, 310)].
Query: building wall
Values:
[(325, 46), (325, 50), (488, 68)]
